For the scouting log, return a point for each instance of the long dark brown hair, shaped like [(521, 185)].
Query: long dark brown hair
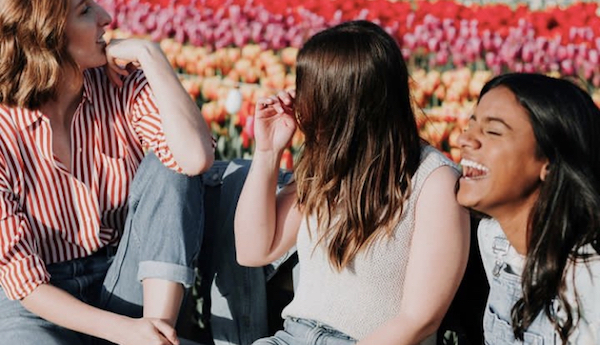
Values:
[(566, 216), (33, 51), (361, 142)]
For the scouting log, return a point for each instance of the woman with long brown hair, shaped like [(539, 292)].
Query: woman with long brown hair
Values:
[(382, 242), (531, 162), (95, 151)]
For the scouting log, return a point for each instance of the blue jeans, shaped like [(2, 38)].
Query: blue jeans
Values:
[(161, 239), (234, 297), (306, 332)]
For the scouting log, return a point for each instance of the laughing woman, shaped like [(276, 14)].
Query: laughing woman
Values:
[(76, 117), (531, 161)]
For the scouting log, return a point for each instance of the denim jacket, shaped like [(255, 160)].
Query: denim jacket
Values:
[(503, 266)]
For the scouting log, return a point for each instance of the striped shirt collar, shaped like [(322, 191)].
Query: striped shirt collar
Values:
[(24, 118)]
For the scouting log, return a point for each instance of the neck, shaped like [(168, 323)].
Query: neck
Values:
[(61, 110), (515, 229), (514, 220)]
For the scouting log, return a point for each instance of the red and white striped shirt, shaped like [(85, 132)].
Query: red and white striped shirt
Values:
[(49, 214)]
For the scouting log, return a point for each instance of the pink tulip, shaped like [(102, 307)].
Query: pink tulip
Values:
[(561, 53), (441, 58), (567, 67), (529, 67), (588, 70), (433, 45), (527, 53), (593, 56)]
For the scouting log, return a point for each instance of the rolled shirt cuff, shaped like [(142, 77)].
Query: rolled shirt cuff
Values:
[(20, 277), (166, 271)]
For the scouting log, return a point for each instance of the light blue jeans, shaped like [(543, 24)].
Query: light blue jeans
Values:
[(161, 239), (306, 332)]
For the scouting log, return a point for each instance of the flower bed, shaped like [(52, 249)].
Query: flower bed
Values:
[(452, 49)]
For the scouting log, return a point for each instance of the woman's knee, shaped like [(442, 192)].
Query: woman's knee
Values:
[(154, 176)]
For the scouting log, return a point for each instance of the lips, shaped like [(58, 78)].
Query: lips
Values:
[(101, 39), (473, 170)]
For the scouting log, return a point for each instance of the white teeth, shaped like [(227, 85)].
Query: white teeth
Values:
[(472, 164)]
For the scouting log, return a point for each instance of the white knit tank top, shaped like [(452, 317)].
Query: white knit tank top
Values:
[(368, 293)]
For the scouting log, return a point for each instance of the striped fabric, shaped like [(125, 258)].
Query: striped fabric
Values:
[(49, 214)]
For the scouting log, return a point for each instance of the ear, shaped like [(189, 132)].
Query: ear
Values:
[(544, 171)]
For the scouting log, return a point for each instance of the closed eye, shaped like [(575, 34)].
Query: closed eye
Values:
[(86, 9)]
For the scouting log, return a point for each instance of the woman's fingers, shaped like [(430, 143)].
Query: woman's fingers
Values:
[(264, 102), (285, 98), (166, 330), (279, 104)]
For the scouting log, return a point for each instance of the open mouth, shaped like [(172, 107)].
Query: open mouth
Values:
[(101, 39), (473, 170)]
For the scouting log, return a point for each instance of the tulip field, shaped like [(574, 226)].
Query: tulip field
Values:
[(230, 52)]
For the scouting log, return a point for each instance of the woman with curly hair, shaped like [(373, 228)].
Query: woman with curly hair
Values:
[(94, 154)]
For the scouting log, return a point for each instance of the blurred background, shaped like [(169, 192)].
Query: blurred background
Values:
[(230, 52)]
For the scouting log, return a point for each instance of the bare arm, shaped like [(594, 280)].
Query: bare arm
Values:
[(59, 307), (438, 257), (185, 130), (266, 225)]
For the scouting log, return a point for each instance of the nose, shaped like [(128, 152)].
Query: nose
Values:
[(103, 17), (468, 140)]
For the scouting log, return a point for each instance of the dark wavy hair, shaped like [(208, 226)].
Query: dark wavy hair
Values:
[(33, 51), (361, 144), (566, 216)]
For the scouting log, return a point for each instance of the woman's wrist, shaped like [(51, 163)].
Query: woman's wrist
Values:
[(114, 327), (267, 158), (150, 53)]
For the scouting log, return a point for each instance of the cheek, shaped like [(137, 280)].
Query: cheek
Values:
[(515, 184)]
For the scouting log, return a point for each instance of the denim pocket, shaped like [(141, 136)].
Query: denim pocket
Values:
[(499, 331)]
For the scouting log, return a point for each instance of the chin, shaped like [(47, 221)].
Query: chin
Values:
[(466, 199)]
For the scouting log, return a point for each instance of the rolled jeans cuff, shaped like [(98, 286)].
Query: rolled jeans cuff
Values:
[(166, 271)]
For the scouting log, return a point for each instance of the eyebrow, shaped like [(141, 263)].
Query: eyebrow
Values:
[(79, 4), (497, 119), (489, 119)]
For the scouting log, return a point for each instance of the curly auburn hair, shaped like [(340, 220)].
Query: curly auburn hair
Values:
[(33, 51)]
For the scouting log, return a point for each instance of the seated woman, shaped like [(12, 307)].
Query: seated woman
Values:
[(382, 242), (77, 116), (531, 160)]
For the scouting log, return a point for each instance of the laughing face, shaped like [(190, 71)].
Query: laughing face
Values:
[(84, 31), (501, 170)]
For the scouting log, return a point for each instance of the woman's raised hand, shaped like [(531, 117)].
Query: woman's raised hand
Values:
[(125, 56), (274, 122)]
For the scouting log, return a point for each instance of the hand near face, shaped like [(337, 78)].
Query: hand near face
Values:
[(124, 56), (274, 121)]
